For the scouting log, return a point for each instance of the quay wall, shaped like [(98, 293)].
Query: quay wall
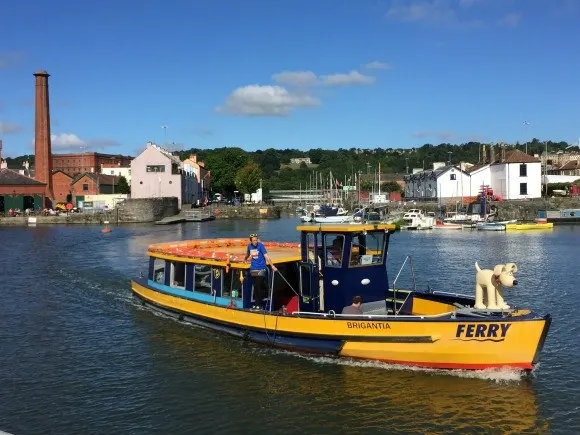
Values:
[(245, 212), (146, 209), (522, 210)]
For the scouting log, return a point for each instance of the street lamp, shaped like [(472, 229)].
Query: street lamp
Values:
[(528, 124)]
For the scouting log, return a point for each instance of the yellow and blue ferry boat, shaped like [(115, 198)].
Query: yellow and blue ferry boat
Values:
[(207, 282)]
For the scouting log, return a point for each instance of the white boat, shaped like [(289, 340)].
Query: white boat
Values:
[(490, 226), (415, 219), (446, 226), (333, 219)]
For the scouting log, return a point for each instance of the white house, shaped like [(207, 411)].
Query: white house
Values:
[(117, 170), (157, 173), (440, 182), (515, 175)]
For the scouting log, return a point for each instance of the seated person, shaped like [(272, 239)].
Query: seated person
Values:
[(334, 253), (355, 307)]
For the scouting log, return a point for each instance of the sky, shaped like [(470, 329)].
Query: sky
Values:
[(290, 74)]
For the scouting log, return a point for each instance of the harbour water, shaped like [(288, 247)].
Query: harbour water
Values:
[(79, 355)]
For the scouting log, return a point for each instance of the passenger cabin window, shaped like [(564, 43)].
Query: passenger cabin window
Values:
[(232, 285), (310, 248), (367, 249), (177, 274), (202, 278), (334, 248), (159, 271)]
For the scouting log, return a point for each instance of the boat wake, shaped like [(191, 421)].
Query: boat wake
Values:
[(498, 375)]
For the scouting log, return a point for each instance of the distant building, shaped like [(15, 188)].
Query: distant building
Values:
[(92, 184), (117, 170), (157, 173), (61, 186), (19, 191), (77, 163), (299, 160), (202, 178), (512, 175)]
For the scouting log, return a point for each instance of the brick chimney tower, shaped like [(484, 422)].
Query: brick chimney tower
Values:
[(42, 145)]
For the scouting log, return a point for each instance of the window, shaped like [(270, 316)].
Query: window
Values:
[(85, 187), (202, 278), (232, 286), (334, 247), (367, 249), (159, 271), (523, 170), (155, 168), (177, 274), (453, 177), (523, 188)]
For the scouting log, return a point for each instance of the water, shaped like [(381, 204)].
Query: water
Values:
[(79, 355)]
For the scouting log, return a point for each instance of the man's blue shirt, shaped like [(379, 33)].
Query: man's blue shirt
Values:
[(257, 252)]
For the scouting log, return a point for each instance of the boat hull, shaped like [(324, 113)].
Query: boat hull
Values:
[(435, 342), (529, 226)]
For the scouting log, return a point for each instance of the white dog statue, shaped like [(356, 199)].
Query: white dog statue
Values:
[(502, 275)]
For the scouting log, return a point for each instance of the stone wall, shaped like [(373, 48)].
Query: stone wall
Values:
[(245, 212), (146, 209)]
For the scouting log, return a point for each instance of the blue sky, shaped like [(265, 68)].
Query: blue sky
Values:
[(290, 74)]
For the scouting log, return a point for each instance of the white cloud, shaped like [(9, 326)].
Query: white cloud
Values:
[(256, 100), (510, 20), (434, 12), (71, 142), (351, 78), (66, 141), (7, 127), (377, 65), (296, 78)]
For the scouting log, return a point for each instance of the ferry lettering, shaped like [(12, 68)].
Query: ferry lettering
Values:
[(483, 331), (367, 325)]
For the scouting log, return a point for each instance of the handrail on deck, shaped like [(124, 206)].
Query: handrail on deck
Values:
[(373, 316), (394, 299)]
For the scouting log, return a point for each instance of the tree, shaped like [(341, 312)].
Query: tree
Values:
[(391, 186), (224, 164), (248, 178), (122, 185)]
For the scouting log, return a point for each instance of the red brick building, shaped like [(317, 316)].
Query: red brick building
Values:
[(20, 191), (61, 185), (92, 184), (77, 163)]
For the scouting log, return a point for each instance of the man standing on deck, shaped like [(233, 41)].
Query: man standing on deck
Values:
[(259, 259)]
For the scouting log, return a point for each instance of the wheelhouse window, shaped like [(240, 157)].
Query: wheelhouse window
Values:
[(334, 249), (310, 248), (159, 271), (523, 170), (367, 249), (155, 168), (202, 278), (177, 274), (523, 188)]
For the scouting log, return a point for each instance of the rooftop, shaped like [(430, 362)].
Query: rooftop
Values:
[(8, 177)]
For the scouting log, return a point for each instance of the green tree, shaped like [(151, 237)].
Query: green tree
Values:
[(122, 185), (248, 178), (391, 186), (224, 164)]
